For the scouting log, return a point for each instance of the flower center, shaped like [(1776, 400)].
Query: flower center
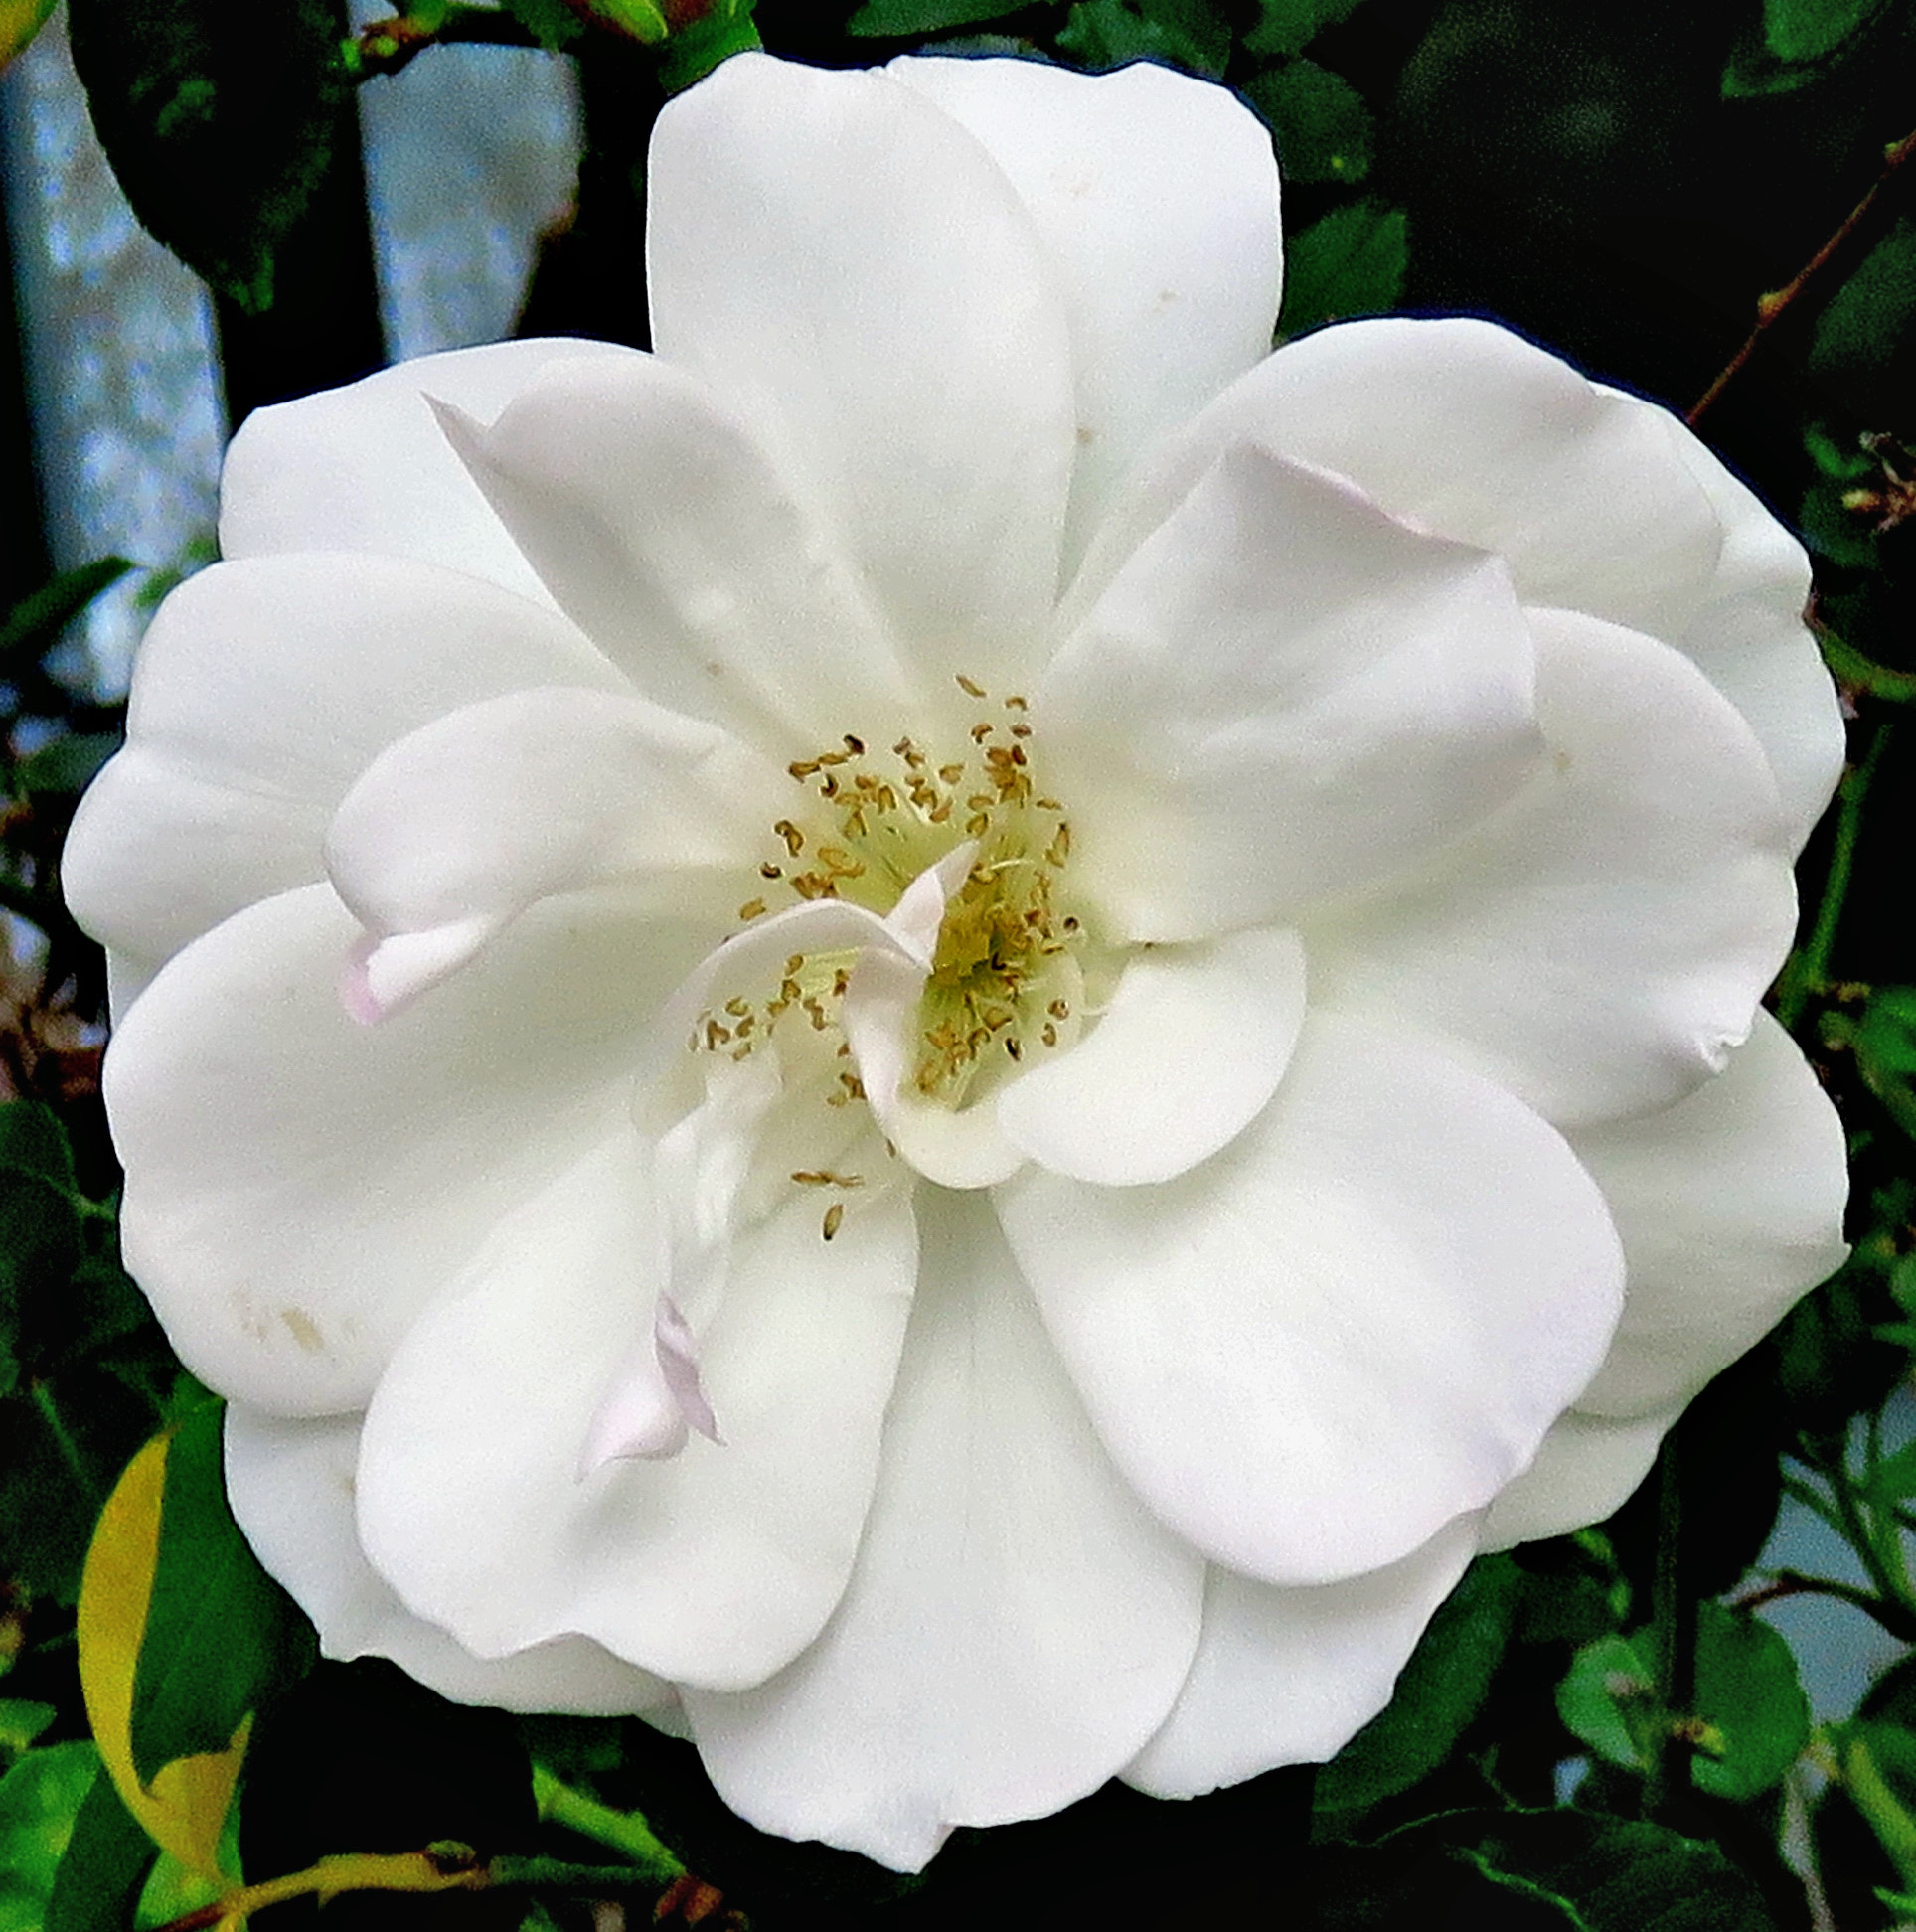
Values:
[(1003, 978)]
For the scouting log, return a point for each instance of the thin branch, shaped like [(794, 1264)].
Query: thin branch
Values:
[(1769, 308)]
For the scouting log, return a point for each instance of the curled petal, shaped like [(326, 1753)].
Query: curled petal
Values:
[(1588, 1467), (1353, 1324), (452, 833), (1190, 1046), (1276, 650)]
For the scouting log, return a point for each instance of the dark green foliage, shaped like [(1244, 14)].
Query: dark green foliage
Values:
[(103, 1867), (1349, 263), (1322, 125), (1438, 1694), (904, 18), (221, 1635), (1190, 34), (217, 126), (1535, 1871), (358, 1756)]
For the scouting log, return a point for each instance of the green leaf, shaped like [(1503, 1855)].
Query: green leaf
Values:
[(1609, 1700), (1192, 34), (1437, 1695), (1750, 1721), (104, 1867), (1869, 325), (693, 50), (219, 125), (552, 23), (22, 1719), (31, 1137), (1561, 1869), (1885, 1049), (39, 1800), (1322, 125), (908, 18), (1289, 26), (1808, 30), (66, 765), (221, 1635), (1351, 262), (39, 1251), (33, 625)]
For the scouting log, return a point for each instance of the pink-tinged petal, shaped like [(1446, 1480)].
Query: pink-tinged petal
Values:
[(1730, 1208), (1353, 1324), (262, 691), (661, 526), (291, 1485), (853, 275), (1588, 1467), (299, 1186), (450, 833), (1282, 694), (716, 1566), (1463, 429), (1599, 946), (1016, 1626), (366, 468), (1190, 1046), (1290, 1675), (1156, 198)]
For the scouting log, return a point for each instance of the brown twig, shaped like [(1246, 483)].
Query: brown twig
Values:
[(1775, 304)]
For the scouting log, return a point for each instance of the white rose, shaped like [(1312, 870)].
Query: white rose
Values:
[(1032, 973)]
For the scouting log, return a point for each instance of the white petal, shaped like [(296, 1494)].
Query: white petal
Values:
[(1350, 1326), (1192, 1045), (366, 468), (715, 1567), (1289, 1676), (1730, 1208), (1600, 945), (1155, 196), (666, 531), (1588, 1467), (450, 833), (1283, 693), (299, 1187), (957, 1147), (1016, 1626), (882, 311), (291, 1485), (1750, 640), (262, 691), (1469, 432)]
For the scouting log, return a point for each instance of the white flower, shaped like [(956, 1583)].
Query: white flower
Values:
[(1033, 971)]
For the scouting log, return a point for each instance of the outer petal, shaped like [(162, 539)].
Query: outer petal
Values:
[(1598, 501), (299, 1187), (1350, 1327), (882, 313), (291, 1484), (713, 1567), (367, 468), (450, 833), (1192, 1044), (1599, 946), (1155, 196), (1750, 641), (1284, 693), (1730, 1208), (660, 525), (1291, 1676), (1586, 1470), (1016, 1626), (262, 691), (1468, 430)]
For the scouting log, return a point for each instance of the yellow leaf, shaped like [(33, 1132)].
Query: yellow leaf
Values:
[(186, 1805), (20, 21)]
